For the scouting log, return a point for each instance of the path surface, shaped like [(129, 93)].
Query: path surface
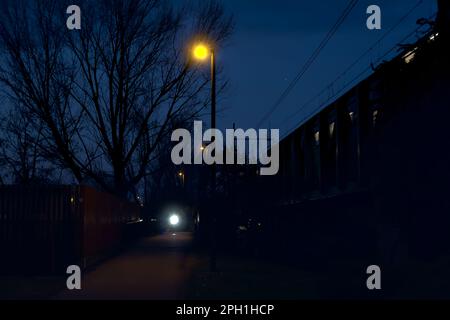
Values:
[(156, 268)]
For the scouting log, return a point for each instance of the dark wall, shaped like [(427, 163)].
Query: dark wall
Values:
[(376, 187)]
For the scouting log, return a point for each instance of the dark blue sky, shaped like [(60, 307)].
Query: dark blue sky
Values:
[(273, 39)]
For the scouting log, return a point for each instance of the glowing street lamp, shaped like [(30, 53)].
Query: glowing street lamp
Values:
[(201, 52), (182, 176)]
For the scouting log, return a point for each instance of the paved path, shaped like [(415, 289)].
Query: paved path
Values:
[(156, 268)]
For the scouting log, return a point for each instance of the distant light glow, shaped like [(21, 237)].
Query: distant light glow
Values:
[(174, 220), (409, 57), (351, 115), (331, 128), (375, 117), (317, 137), (434, 36)]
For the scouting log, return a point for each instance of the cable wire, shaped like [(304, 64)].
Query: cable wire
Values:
[(311, 60)]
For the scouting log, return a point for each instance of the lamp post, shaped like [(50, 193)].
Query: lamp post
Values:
[(181, 175), (201, 52)]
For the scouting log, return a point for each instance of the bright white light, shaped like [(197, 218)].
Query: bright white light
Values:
[(434, 36), (174, 220)]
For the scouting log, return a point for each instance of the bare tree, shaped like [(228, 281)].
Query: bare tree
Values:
[(106, 96), (20, 157)]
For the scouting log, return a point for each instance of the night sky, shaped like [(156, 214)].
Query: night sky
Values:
[(273, 39)]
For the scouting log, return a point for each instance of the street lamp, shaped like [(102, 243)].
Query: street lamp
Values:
[(201, 52), (181, 175)]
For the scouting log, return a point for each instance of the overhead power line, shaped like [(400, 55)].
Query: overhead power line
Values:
[(311, 59), (349, 83), (358, 60)]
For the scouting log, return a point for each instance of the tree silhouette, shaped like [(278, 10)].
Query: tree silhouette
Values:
[(103, 98)]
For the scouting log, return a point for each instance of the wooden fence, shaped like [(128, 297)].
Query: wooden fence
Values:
[(45, 229)]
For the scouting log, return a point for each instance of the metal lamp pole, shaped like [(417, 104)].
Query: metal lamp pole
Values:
[(201, 52), (213, 262)]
